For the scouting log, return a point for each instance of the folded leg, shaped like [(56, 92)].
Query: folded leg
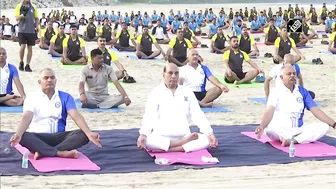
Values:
[(312, 132)]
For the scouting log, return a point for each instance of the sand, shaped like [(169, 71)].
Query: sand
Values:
[(308, 175)]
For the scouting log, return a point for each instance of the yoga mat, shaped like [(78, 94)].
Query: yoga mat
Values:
[(97, 110), (135, 57), (315, 149), (121, 155), (263, 101), (70, 66), (50, 164), (261, 43), (55, 57), (249, 85), (254, 57), (331, 74), (321, 32), (215, 109), (304, 47), (11, 109), (191, 158), (121, 51), (327, 52)]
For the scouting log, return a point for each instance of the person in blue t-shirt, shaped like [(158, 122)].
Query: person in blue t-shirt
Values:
[(213, 28), (329, 22), (256, 26), (9, 73), (237, 29), (176, 24)]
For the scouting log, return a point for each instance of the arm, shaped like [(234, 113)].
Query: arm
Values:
[(119, 65), (255, 47), (198, 116), (19, 87), (159, 48), (319, 114), (216, 82), (26, 119), (80, 121), (253, 64), (267, 116), (214, 47), (300, 80), (133, 41), (297, 51), (81, 88), (120, 88), (83, 51), (151, 116), (267, 85), (195, 38), (169, 51)]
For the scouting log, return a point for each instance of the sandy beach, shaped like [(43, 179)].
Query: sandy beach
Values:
[(148, 74)]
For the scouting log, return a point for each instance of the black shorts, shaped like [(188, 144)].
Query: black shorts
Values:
[(181, 59), (58, 50), (154, 21), (240, 75), (7, 36), (27, 38), (146, 53), (200, 95), (74, 58)]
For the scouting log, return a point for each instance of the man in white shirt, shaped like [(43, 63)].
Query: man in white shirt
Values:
[(165, 125), (45, 114), (194, 76), (276, 72), (285, 110), (7, 30), (160, 33), (8, 74)]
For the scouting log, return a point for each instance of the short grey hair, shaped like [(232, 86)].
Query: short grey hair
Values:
[(286, 65), (47, 69)]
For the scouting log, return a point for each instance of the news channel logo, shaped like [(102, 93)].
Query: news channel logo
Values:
[(294, 25)]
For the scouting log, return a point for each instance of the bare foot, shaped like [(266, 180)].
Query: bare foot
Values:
[(206, 105), (67, 154), (191, 137), (37, 155), (236, 82), (285, 142)]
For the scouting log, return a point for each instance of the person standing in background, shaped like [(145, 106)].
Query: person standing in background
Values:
[(27, 16)]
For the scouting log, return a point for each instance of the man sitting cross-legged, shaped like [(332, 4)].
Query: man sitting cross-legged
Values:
[(145, 42), (46, 35), (165, 124), (218, 42), (56, 42), (74, 48), (283, 118), (123, 37), (194, 76), (45, 115), (8, 74), (97, 75), (233, 63)]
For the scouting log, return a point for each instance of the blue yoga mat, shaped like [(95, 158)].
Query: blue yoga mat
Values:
[(136, 57), (215, 109), (263, 101), (327, 52), (254, 57), (97, 110), (55, 57), (121, 155), (304, 47), (11, 109)]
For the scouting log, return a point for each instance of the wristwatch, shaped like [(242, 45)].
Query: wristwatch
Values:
[(334, 125)]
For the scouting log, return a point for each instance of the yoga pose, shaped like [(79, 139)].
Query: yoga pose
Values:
[(332, 43), (145, 41), (233, 63), (165, 124), (179, 45), (56, 42), (194, 76), (283, 118), (45, 115), (97, 75), (246, 41)]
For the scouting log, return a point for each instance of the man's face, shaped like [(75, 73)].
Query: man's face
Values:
[(220, 31), (234, 43), (179, 33), (3, 55), (185, 26), (244, 31), (124, 26), (7, 20), (101, 42), (61, 30), (159, 23), (145, 30), (50, 25), (284, 32), (47, 80), (26, 1), (91, 21), (98, 60), (171, 76), (271, 23), (73, 31), (193, 57), (289, 76)]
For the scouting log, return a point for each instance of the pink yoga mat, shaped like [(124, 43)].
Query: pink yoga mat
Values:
[(261, 43), (190, 158), (315, 149), (50, 164)]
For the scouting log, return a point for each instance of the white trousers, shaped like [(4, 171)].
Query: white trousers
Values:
[(158, 142), (305, 134)]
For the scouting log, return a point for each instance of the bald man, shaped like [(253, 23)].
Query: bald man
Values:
[(45, 115), (9, 73), (165, 124), (194, 76), (275, 74), (286, 127)]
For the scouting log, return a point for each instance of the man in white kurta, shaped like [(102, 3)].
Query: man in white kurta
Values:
[(165, 125), (285, 110)]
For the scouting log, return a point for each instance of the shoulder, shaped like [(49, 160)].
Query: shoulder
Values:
[(35, 7), (64, 95), (18, 5), (11, 67)]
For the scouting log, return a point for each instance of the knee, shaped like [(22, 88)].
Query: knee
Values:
[(80, 135), (218, 90), (255, 72)]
